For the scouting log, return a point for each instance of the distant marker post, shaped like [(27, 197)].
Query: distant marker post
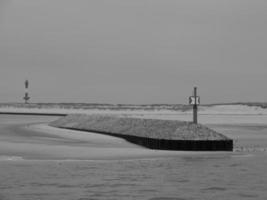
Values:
[(26, 97), (195, 101)]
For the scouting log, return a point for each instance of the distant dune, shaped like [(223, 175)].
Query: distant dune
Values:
[(83, 108)]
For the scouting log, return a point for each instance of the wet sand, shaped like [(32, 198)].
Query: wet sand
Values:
[(25, 138), (247, 137)]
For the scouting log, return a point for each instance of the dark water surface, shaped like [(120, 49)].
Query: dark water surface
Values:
[(189, 177), (238, 175)]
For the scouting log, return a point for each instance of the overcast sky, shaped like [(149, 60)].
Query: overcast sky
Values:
[(133, 51)]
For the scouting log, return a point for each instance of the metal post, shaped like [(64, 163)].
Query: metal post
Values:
[(195, 106), (26, 97)]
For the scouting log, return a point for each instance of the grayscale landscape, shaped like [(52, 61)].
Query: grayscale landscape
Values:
[(39, 161), (134, 100)]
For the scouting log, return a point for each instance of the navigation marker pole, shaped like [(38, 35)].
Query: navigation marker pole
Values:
[(195, 101), (26, 97)]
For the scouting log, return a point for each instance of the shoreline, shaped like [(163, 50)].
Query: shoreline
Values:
[(103, 147), (204, 118), (41, 142), (33, 113)]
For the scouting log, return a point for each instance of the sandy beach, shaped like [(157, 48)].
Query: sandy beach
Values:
[(26, 139)]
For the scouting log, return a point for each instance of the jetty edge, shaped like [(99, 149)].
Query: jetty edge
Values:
[(150, 133)]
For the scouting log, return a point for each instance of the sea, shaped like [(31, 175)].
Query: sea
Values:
[(241, 174)]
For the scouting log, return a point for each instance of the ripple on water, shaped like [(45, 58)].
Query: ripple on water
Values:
[(11, 158), (235, 165), (248, 195), (182, 181), (214, 189), (95, 185), (170, 198), (2, 197)]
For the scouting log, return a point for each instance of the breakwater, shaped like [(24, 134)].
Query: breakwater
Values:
[(150, 133)]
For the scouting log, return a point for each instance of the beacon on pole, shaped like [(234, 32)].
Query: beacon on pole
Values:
[(195, 101), (26, 97)]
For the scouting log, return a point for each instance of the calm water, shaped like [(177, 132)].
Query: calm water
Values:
[(239, 175), (190, 177)]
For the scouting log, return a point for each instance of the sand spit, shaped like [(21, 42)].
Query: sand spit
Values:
[(151, 133)]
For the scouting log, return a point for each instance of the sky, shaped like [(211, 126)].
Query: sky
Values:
[(133, 52)]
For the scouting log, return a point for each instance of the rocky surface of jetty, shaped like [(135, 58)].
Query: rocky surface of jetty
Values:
[(149, 128)]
